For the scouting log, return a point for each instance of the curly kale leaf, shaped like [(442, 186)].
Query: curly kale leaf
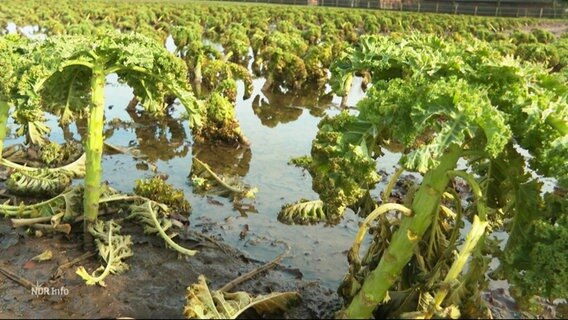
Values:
[(537, 263), (342, 164), (429, 93)]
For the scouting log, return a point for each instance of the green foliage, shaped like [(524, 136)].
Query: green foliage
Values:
[(12, 61), (220, 108), (236, 42), (159, 190), (536, 257), (428, 94), (303, 212), (221, 124), (112, 247), (542, 35), (218, 74), (442, 100), (342, 169), (43, 182), (139, 61), (50, 152), (537, 52), (209, 68)]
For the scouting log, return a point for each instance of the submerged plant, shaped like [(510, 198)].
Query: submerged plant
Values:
[(303, 212), (205, 180)]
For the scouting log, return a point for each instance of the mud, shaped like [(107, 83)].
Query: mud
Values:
[(279, 126), (154, 287)]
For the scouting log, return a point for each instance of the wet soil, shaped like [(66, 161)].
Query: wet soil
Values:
[(279, 127), (154, 287)]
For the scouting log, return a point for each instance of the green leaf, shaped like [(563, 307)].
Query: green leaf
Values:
[(113, 248), (303, 212), (154, 216)]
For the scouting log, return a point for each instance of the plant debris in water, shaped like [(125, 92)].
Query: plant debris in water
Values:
[(302, 212), (41, 182), (206, 181)]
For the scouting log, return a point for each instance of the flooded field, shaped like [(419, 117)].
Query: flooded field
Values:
[(279, 127), (441, 243)]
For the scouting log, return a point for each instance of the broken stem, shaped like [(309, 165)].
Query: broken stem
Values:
[(64, 228), (251, 274)]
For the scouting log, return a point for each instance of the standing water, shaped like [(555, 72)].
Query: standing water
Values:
[(279, 127)]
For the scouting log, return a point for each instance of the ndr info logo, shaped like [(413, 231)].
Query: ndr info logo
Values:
[(38, 290)]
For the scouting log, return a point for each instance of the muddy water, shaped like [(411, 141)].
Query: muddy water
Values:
[(279, 127)]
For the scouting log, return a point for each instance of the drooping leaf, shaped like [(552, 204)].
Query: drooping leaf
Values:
[(68, 202), (208, 181), (112, 247), (303, 212), (202, 303), (154, 217), (39, 182), (74, 169)]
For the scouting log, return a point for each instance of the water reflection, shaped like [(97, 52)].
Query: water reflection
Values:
[(224, 160), (229, 164), (161, 138), (278, 108), (157, 138)]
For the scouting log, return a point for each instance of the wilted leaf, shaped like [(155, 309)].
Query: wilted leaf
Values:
[(205, 304), (112, 248), (44, 256), (205, 179), (303, 212), (154, 217)]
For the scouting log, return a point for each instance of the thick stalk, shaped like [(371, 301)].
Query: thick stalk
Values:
[(94, 150), (4, 108), (404, 241)]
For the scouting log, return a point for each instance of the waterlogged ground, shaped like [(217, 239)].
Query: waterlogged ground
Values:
[(279, 127)]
